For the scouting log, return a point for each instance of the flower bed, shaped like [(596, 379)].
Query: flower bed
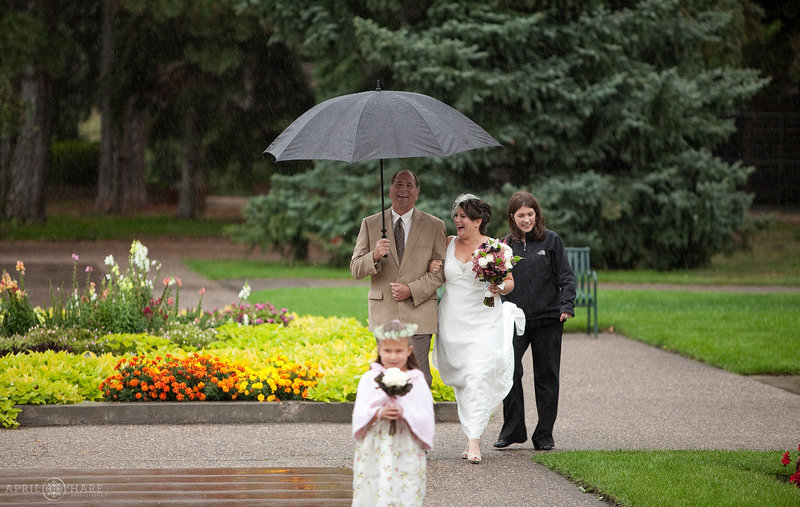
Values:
[(117, 342), (205, 377)]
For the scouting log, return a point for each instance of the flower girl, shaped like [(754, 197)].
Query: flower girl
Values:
[(392, 423)]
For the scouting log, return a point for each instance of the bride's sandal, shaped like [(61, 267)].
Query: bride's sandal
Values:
[(465, 454), (474, 458)]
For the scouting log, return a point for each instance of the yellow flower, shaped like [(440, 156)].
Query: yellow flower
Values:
[(260, 397)]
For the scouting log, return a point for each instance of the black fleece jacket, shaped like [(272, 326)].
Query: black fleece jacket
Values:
[(544, 285)]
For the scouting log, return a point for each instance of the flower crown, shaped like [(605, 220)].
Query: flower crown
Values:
[(407, 332)]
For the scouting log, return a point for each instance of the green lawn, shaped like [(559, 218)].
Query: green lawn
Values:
[(91, 227), (673, 478), (744, 333), (227, 269), (319, 301)]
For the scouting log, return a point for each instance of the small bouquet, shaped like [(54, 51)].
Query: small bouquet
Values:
[(394, 382), (491, 263)]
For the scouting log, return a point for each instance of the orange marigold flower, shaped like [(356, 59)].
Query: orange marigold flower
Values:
[(138, 396), (179, 397), (201, 396)]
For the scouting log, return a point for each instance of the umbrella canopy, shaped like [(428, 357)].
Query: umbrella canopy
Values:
[(378, 124)]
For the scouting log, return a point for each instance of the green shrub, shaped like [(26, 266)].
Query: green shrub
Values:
[(37, 378), (74, 163), (16, 313), (315, 207)]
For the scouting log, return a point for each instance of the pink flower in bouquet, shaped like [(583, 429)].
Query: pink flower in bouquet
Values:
[(491, 263)]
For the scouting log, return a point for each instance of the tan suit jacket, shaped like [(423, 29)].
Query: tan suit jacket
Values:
[(425, 241)]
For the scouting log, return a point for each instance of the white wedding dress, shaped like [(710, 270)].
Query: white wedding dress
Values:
[(474, 352)]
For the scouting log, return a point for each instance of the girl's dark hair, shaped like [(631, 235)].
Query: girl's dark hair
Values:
[(525, 199), (474, 208), (396, 325)]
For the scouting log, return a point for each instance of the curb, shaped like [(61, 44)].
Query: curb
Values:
[(206, 412)]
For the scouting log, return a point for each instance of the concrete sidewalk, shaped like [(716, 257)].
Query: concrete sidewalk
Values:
[(615, 394)]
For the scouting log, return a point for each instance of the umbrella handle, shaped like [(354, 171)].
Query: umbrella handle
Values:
[(383, 206)]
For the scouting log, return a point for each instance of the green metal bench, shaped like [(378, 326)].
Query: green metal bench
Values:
[(585, 283)]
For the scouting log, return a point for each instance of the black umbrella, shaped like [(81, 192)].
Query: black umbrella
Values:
[(377, 125)]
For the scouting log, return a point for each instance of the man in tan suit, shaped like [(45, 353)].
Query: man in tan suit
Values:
[(401, 287)]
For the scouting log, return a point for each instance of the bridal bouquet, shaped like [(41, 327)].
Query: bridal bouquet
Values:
[(394, 382), (491, 263)]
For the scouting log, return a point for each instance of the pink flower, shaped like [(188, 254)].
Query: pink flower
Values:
[(202, 291), (89, 269), (75, 257)]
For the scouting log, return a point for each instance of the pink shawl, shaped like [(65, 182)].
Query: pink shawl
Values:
[(417, 405)]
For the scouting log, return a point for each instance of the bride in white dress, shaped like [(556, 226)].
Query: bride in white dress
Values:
[(473, 350)]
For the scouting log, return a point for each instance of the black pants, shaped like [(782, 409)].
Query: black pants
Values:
[(545, 343)]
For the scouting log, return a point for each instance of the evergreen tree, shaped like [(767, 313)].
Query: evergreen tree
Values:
[(607, 110)]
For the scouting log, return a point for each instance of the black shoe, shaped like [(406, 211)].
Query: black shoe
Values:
[(543, 447), (502, 444)]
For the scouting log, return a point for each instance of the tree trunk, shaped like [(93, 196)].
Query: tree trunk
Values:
[(107, 200), (30, 154), (191, 199), (131, 158)]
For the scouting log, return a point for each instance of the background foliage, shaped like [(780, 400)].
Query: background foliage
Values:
[(608, 111)]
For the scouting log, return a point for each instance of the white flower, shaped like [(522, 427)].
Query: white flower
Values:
[(245, 292), (509, 265), (408, 332), (139, 256), (482, 262), (395, 377), (109, 260), (489, 258)]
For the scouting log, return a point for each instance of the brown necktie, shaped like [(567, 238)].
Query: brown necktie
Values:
[(399, 238)]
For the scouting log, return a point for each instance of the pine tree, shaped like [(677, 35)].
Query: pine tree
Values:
[(609, 111)]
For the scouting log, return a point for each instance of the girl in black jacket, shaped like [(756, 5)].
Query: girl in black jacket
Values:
[(545, 290)]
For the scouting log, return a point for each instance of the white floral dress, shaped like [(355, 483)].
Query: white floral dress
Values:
[(389, 470)]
